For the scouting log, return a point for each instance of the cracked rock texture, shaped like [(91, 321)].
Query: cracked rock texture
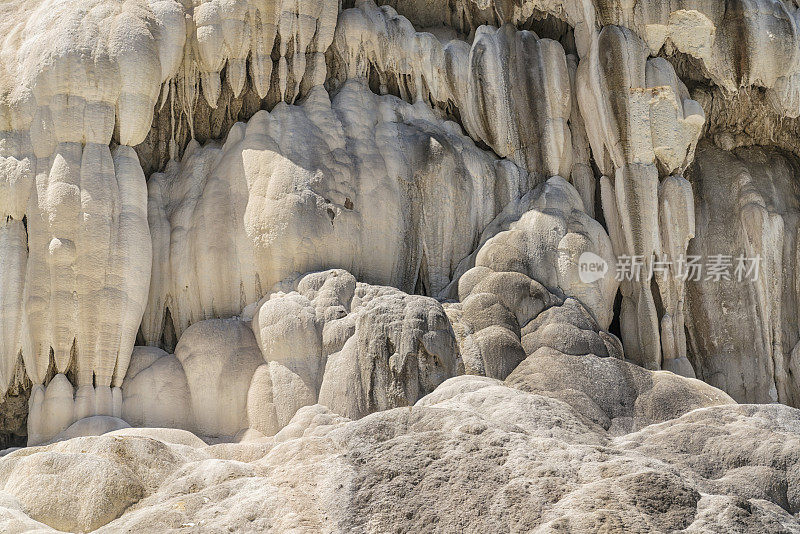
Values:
[(351, 265)]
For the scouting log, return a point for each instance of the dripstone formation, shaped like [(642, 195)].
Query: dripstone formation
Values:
[(323, 265)]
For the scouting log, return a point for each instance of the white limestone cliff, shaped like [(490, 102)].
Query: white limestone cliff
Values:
[(366, 183), (280, 232)]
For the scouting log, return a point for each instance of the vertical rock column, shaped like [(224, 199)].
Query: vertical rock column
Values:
[(747, 206), (87, 280), (16, 177), (227, 32), (676, 221), (643, 128), (88, 243), (511, 89)]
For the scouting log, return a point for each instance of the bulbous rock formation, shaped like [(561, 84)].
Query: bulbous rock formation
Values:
[(324, 471), (268, 265), (380, 191), (352, 347)]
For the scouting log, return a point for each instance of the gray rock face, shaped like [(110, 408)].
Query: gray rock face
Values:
[(748, 203), (619, 396), (474, 455), (324, 338), (402, 348), (360, 265)]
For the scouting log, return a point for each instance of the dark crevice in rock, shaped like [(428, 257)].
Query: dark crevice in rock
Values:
[(14, 417), (169, 339), (615, 326)]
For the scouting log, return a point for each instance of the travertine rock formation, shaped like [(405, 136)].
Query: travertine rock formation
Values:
[(370, 184), (516, 461), (511, 89), (326, 339), (748, 203), (315, 264)]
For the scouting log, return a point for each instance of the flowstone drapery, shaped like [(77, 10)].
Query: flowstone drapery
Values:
[(283, 231)]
